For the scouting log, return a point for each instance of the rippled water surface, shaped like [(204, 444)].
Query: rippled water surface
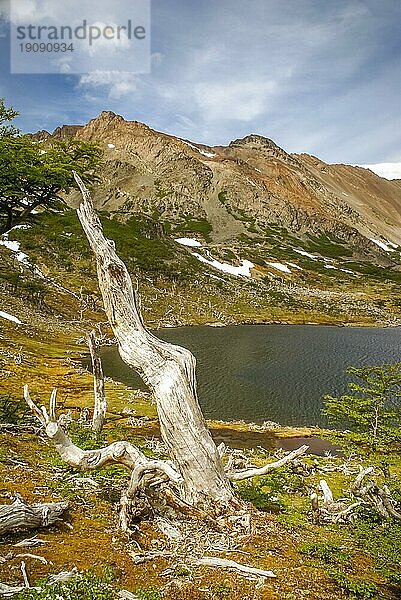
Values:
[(271, 372)]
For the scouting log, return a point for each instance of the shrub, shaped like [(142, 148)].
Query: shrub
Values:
[(148, 593), (86, 587), (373, 406), (13, 411), (327, 552), (84, 436), (264, 492), (354, 588)]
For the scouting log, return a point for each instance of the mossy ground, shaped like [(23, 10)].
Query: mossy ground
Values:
[(46, 361), (45, 351), (308, 558)]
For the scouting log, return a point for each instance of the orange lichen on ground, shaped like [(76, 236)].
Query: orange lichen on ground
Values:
[(95, 541)]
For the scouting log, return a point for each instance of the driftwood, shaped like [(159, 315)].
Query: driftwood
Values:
[(248, 473), (330, 510), (379, 498), (20, 516), (143, 470), (368, 494), (223, 563), (100, 402), (167, 369), (126, 595), (9, 591)]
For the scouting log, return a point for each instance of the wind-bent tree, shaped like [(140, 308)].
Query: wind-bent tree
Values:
[(194, 480), (35, 174)]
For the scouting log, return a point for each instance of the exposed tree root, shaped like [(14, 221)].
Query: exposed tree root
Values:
[(341, 511)]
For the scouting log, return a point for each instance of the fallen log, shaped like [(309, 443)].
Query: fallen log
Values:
[(379, 498), (223, 563), (248, 473), (8, 591), (20, 516)]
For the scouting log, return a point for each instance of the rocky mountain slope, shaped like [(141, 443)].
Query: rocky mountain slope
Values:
[(151, 171), (240, 233), (147, 170)]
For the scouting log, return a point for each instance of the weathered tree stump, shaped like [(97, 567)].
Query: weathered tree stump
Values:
[(20, 516)]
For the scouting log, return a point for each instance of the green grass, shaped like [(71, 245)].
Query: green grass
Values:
[(326, 552), (86, 587), (327, 245), (266, 493), (353, 588), (193, 225)]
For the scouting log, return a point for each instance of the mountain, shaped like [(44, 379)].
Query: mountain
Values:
[(151, 172), (239, 233)]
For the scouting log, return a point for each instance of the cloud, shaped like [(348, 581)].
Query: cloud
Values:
[(236, 100), (115, 83), (315, 76), (386, 170)]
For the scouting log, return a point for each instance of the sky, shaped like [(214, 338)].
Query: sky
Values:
[(316, 76)]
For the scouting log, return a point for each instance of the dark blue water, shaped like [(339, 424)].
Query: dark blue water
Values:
[(272, 372)]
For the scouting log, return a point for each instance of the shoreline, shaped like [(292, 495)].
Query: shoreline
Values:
[(218, 325), (241, 436)]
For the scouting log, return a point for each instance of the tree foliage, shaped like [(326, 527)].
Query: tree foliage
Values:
[(373, 406), (35, 174)]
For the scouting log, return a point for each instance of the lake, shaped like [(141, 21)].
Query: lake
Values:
[(271, 372)]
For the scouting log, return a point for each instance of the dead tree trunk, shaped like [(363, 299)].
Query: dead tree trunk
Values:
[(19, 516), (168, 370), (100, 402), (379, 498), (145, 472)]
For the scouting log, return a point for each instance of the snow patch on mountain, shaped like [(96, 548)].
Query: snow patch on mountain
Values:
[(243, 270), (279, 267), (304, 253), (200, 150), (14, 246), (383, 245), (294, 266), (188, 242)]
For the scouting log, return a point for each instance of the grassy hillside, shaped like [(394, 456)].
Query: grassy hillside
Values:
[(293, 280)]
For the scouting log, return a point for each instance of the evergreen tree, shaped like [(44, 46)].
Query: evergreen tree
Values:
[(373, 408), (35, 174)]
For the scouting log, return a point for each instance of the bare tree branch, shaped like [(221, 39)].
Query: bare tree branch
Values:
[(238, 476)]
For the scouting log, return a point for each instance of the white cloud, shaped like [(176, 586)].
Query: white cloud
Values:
[(110, 45), (314, 76), (24, 11), (385, 170), (236, 100), (117, 83)]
